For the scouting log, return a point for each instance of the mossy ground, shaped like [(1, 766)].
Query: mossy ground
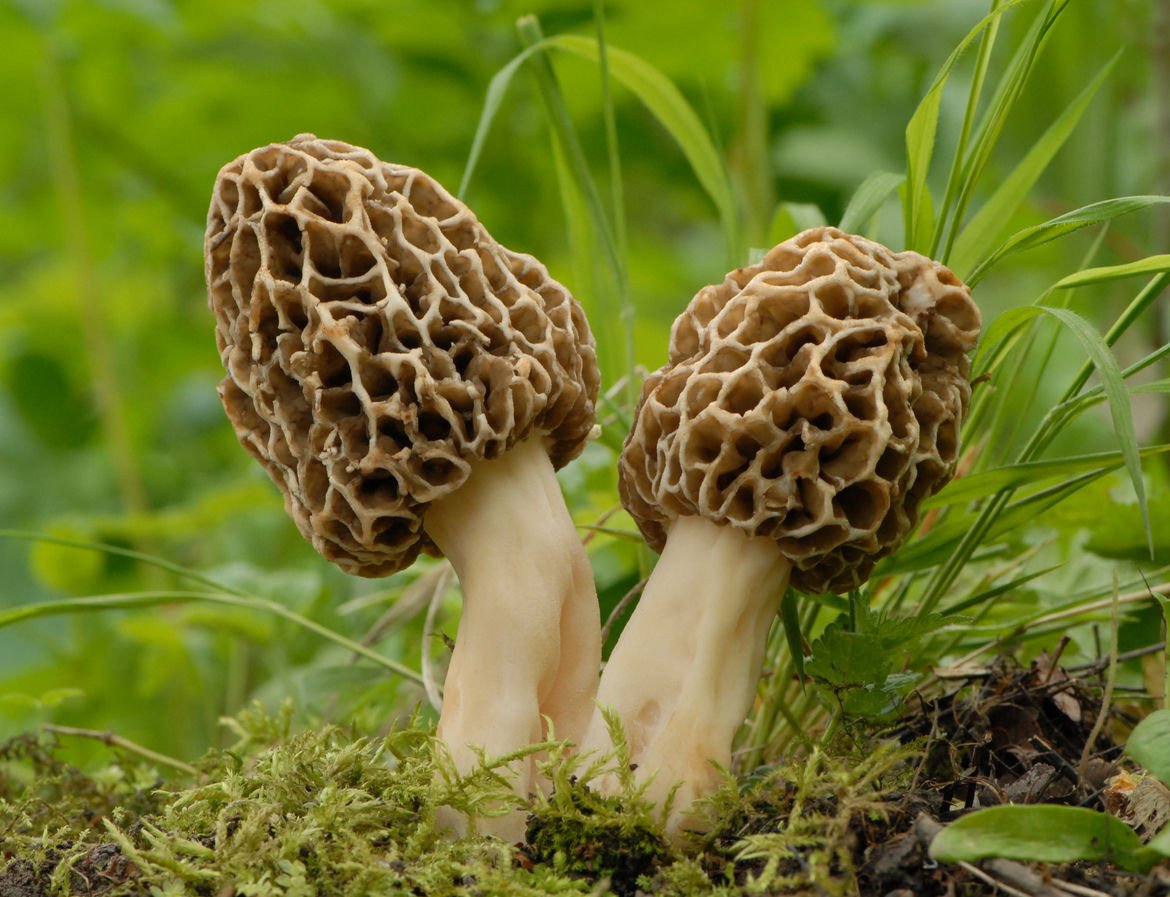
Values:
[(335, 812)]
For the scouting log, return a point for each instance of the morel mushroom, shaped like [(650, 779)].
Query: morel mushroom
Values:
[(811, 402), (411, 385)]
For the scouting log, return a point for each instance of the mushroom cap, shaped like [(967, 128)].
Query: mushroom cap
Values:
[(377, 341), (814, 398)]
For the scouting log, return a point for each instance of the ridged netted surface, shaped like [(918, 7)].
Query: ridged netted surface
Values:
[(377, 340), (814, 398)]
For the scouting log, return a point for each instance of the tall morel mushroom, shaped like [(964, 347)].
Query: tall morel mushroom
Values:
[(811, 402), (411, 385)]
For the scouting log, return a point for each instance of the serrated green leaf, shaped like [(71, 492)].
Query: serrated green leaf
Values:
[(1149, 744), (868, 199), (1040, 833), (841, 658)]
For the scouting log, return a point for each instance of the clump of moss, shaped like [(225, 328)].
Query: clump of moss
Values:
[(332, 812)]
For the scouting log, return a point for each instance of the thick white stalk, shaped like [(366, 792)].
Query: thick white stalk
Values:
[(529, 640), (684, 673)]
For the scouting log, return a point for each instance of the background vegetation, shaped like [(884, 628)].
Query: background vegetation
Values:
[(118, 113)]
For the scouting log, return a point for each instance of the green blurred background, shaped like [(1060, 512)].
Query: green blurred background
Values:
[(115, 117)]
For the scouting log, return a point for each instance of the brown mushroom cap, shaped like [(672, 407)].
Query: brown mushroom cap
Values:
[(814, 398), (377, 341)]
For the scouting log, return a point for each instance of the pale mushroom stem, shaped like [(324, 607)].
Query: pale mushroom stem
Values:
[(529, 640), (684, 673)]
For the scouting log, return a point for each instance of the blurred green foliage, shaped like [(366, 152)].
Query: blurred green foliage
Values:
[(117, 115)]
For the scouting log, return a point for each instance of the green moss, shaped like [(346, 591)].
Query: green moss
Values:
[(332, 812)]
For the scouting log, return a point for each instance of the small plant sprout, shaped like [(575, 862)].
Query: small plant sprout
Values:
[(811, 402), (411, 385)]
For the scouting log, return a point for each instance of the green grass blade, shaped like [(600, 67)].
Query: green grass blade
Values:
[(869, 198), (149, 599), (562, 125), (1062, 225), (617, 198), (791, 218), (986, 45), (1132, 313), (1002, 589), (1154, 264), (667, 104), (999, 337), (920, 135), (987, 483), (497, 87), (618, 206), (951, 545), (1117, 395), (104, 548), (793, 634), (1007, 93), (980, 236)]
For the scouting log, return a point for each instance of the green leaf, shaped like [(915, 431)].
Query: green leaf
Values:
[(149, 599), (1149, 744), (790, 617), (920, 134), (983, 231), (1040, 833), (497, 87), (981, 485), (1007, 94), (1154, 264), (791, 218), (667, 104), (1118, 396), (1062, 225), (1160, 844), (869, 198), (938, 545)]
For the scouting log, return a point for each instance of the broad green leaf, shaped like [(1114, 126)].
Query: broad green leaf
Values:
[(1149, 744), (869, 198), (920, 134), (984, 230), (1062, 225), (1040, 833), (981, 485), (1160, 844), (659, 94), (1154, 264)]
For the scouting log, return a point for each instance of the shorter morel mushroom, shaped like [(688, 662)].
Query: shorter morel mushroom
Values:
[(811, 402), (411, 385)]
